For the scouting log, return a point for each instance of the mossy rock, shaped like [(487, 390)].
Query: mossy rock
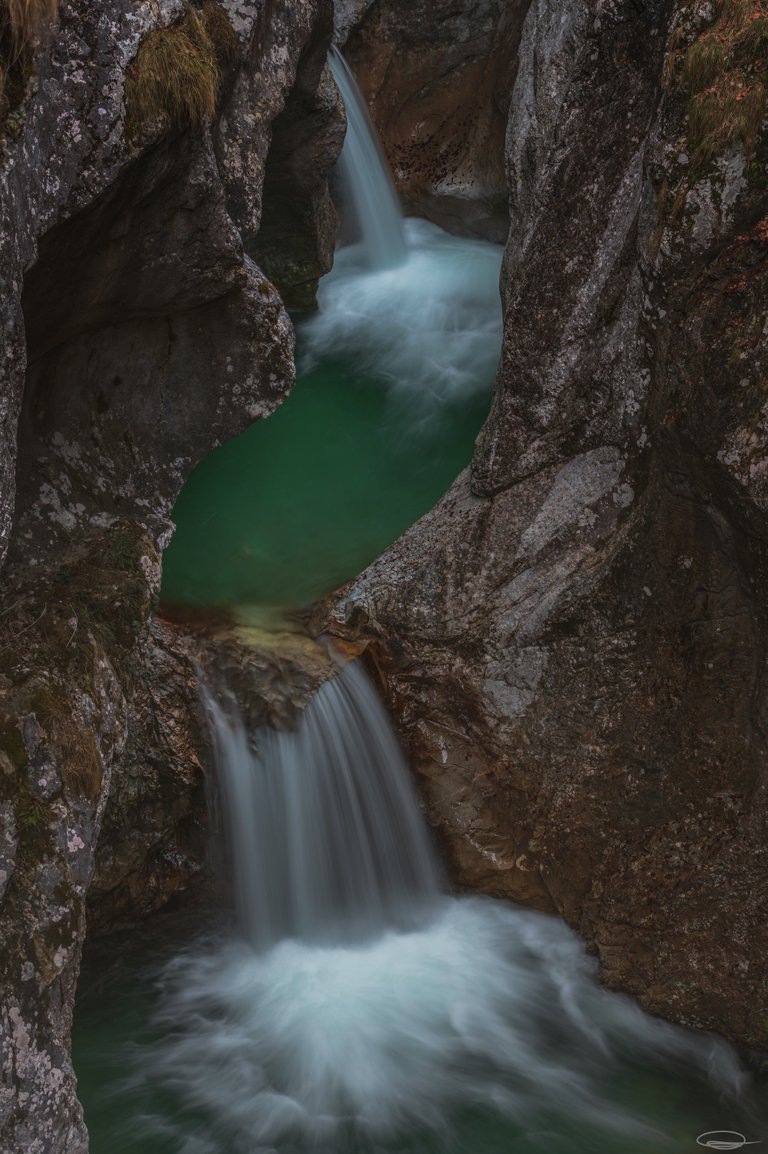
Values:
[(725, 74)]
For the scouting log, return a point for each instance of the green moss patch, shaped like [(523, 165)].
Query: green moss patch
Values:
[(51, 640)]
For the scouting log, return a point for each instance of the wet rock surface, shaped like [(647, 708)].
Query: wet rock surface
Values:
[(573, 641), (156, 848)]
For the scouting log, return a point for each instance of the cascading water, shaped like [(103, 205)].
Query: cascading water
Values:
[(366, 175), (325, 836), (357, 1009), (383, 1015), (395, 374)]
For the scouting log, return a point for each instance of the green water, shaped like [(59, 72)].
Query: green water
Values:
[(305, 499), (394, 382)]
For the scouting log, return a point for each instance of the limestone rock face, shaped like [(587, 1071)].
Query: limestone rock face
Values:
[(574, 640), (136, 333), (123, 258), (438, 78)]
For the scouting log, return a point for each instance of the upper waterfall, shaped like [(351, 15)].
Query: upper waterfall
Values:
[(367, 177)]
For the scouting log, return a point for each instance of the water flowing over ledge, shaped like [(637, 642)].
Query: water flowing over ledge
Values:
[(326, 841), (359, 1009), (366, 173)]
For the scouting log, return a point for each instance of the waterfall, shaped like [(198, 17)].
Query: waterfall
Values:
[(326, 840), (364, 1012), (366, 175)]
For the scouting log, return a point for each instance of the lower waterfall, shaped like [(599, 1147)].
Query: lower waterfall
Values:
[(357, 1008), (326, 840)]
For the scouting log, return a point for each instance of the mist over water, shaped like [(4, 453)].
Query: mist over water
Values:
[(485, 1009), (429, 330)]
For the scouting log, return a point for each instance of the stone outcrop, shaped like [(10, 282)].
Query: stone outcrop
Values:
[(574, 640), (136, 333), (438, 79), (154, 850)]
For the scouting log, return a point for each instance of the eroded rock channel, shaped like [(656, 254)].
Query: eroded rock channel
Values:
[(556, 582)]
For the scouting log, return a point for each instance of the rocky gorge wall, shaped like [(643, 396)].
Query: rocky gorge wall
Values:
[(136, 333), (574, 640)]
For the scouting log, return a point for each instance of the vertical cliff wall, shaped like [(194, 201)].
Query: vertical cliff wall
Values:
[(574, 639), (136, 332)]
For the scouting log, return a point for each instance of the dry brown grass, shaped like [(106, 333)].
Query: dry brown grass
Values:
[(176, 76), (22, 21), (21, 25), (725, 72)]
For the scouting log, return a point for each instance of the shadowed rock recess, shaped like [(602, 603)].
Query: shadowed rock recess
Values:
[(135, 335), (574, 640)]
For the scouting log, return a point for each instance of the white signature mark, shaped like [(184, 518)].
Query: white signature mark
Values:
[(725, 1140)]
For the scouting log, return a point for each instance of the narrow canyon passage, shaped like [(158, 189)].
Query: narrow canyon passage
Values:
[(394, 381), (350, 1005)]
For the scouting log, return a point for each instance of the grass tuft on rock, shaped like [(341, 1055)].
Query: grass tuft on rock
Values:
[(725, 72), (21, 24), (22, 21), (76, 742), (176, 77)]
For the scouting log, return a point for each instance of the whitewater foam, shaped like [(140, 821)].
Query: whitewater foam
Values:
[(359, 1047), (429, 330)]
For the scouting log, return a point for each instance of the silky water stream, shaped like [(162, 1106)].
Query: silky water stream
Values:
[(348, 1005), (354, 1007)]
